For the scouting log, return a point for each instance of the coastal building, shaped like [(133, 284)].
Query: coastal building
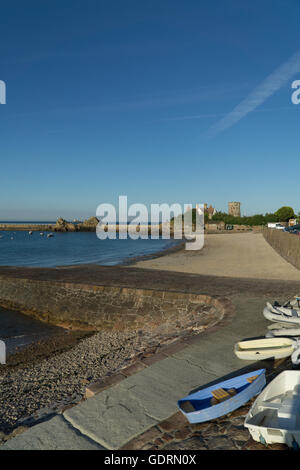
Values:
[(234, 209), (209, 210)]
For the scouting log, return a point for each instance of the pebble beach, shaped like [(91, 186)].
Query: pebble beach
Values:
[(51, 375)]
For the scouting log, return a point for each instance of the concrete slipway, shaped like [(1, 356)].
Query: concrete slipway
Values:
[(116, 415)]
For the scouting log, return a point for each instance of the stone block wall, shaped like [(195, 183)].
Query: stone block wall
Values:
[(115, 308), (286, 244)]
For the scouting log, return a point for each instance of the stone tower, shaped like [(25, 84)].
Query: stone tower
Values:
[(234, 208)]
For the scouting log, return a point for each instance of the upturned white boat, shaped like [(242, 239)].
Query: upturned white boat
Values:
[(286, 326), (275, 415), (289, 312), (265, 348), (294, 332)]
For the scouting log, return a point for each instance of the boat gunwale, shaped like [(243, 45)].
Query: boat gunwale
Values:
[(260, 377), (259, 408)]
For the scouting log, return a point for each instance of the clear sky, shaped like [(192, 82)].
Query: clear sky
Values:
[(131, 97)]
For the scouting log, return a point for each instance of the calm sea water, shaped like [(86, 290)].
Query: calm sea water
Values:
[(18, 330), (18, 248), (21, 249)]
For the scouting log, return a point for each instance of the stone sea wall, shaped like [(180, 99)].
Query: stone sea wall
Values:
[(285, 243), (76, 227), (113, 308), (27, 227)]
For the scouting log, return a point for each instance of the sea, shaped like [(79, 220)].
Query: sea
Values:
[(19, 248)]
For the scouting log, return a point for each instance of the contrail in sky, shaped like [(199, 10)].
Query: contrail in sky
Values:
[(259, 95)]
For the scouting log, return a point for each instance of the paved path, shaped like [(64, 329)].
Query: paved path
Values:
[(242, 255), (115, 416)]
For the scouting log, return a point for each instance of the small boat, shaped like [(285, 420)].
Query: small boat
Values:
[(286, 326), (265, 348), (30, 232), (294, 332), (42, 234), (223, 397), (275, 415), (50, 235), (289, 312)]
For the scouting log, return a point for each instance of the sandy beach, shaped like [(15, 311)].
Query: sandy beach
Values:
[(239, 255)]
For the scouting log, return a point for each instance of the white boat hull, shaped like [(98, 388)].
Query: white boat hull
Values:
[(295, 332), (275, 415), (266, 348), (280, 317)]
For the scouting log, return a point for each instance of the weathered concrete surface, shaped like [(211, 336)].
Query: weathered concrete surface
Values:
[(170, 280), (55, 434), (139, 403), (208, 360), (151, 395)]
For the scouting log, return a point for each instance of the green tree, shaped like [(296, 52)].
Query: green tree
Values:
[(285, 213)]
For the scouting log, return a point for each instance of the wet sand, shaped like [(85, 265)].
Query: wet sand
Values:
[(239, 255), (19, 331)]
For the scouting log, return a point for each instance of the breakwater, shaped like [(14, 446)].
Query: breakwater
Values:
[(26, 227), (77, 227)]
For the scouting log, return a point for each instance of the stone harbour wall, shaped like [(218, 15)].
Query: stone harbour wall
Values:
[(114, 308), (286, 244)]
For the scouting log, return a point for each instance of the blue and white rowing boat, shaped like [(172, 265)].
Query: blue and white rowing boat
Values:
[(223, 397)]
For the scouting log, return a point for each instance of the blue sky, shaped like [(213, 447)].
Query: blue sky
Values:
[(120, 98)]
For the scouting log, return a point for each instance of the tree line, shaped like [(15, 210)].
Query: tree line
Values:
[(281, 215)]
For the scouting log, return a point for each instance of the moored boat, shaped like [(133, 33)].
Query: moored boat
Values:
[(223, 397)]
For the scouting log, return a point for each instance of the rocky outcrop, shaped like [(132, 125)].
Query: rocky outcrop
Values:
[(87, 225), (63, 226), (91, 222)]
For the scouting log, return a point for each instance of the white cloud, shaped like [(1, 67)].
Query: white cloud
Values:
[(259, 95)]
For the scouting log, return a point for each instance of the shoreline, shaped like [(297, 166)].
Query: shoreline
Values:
[(171, 246), (51, 375), (176, 247)]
